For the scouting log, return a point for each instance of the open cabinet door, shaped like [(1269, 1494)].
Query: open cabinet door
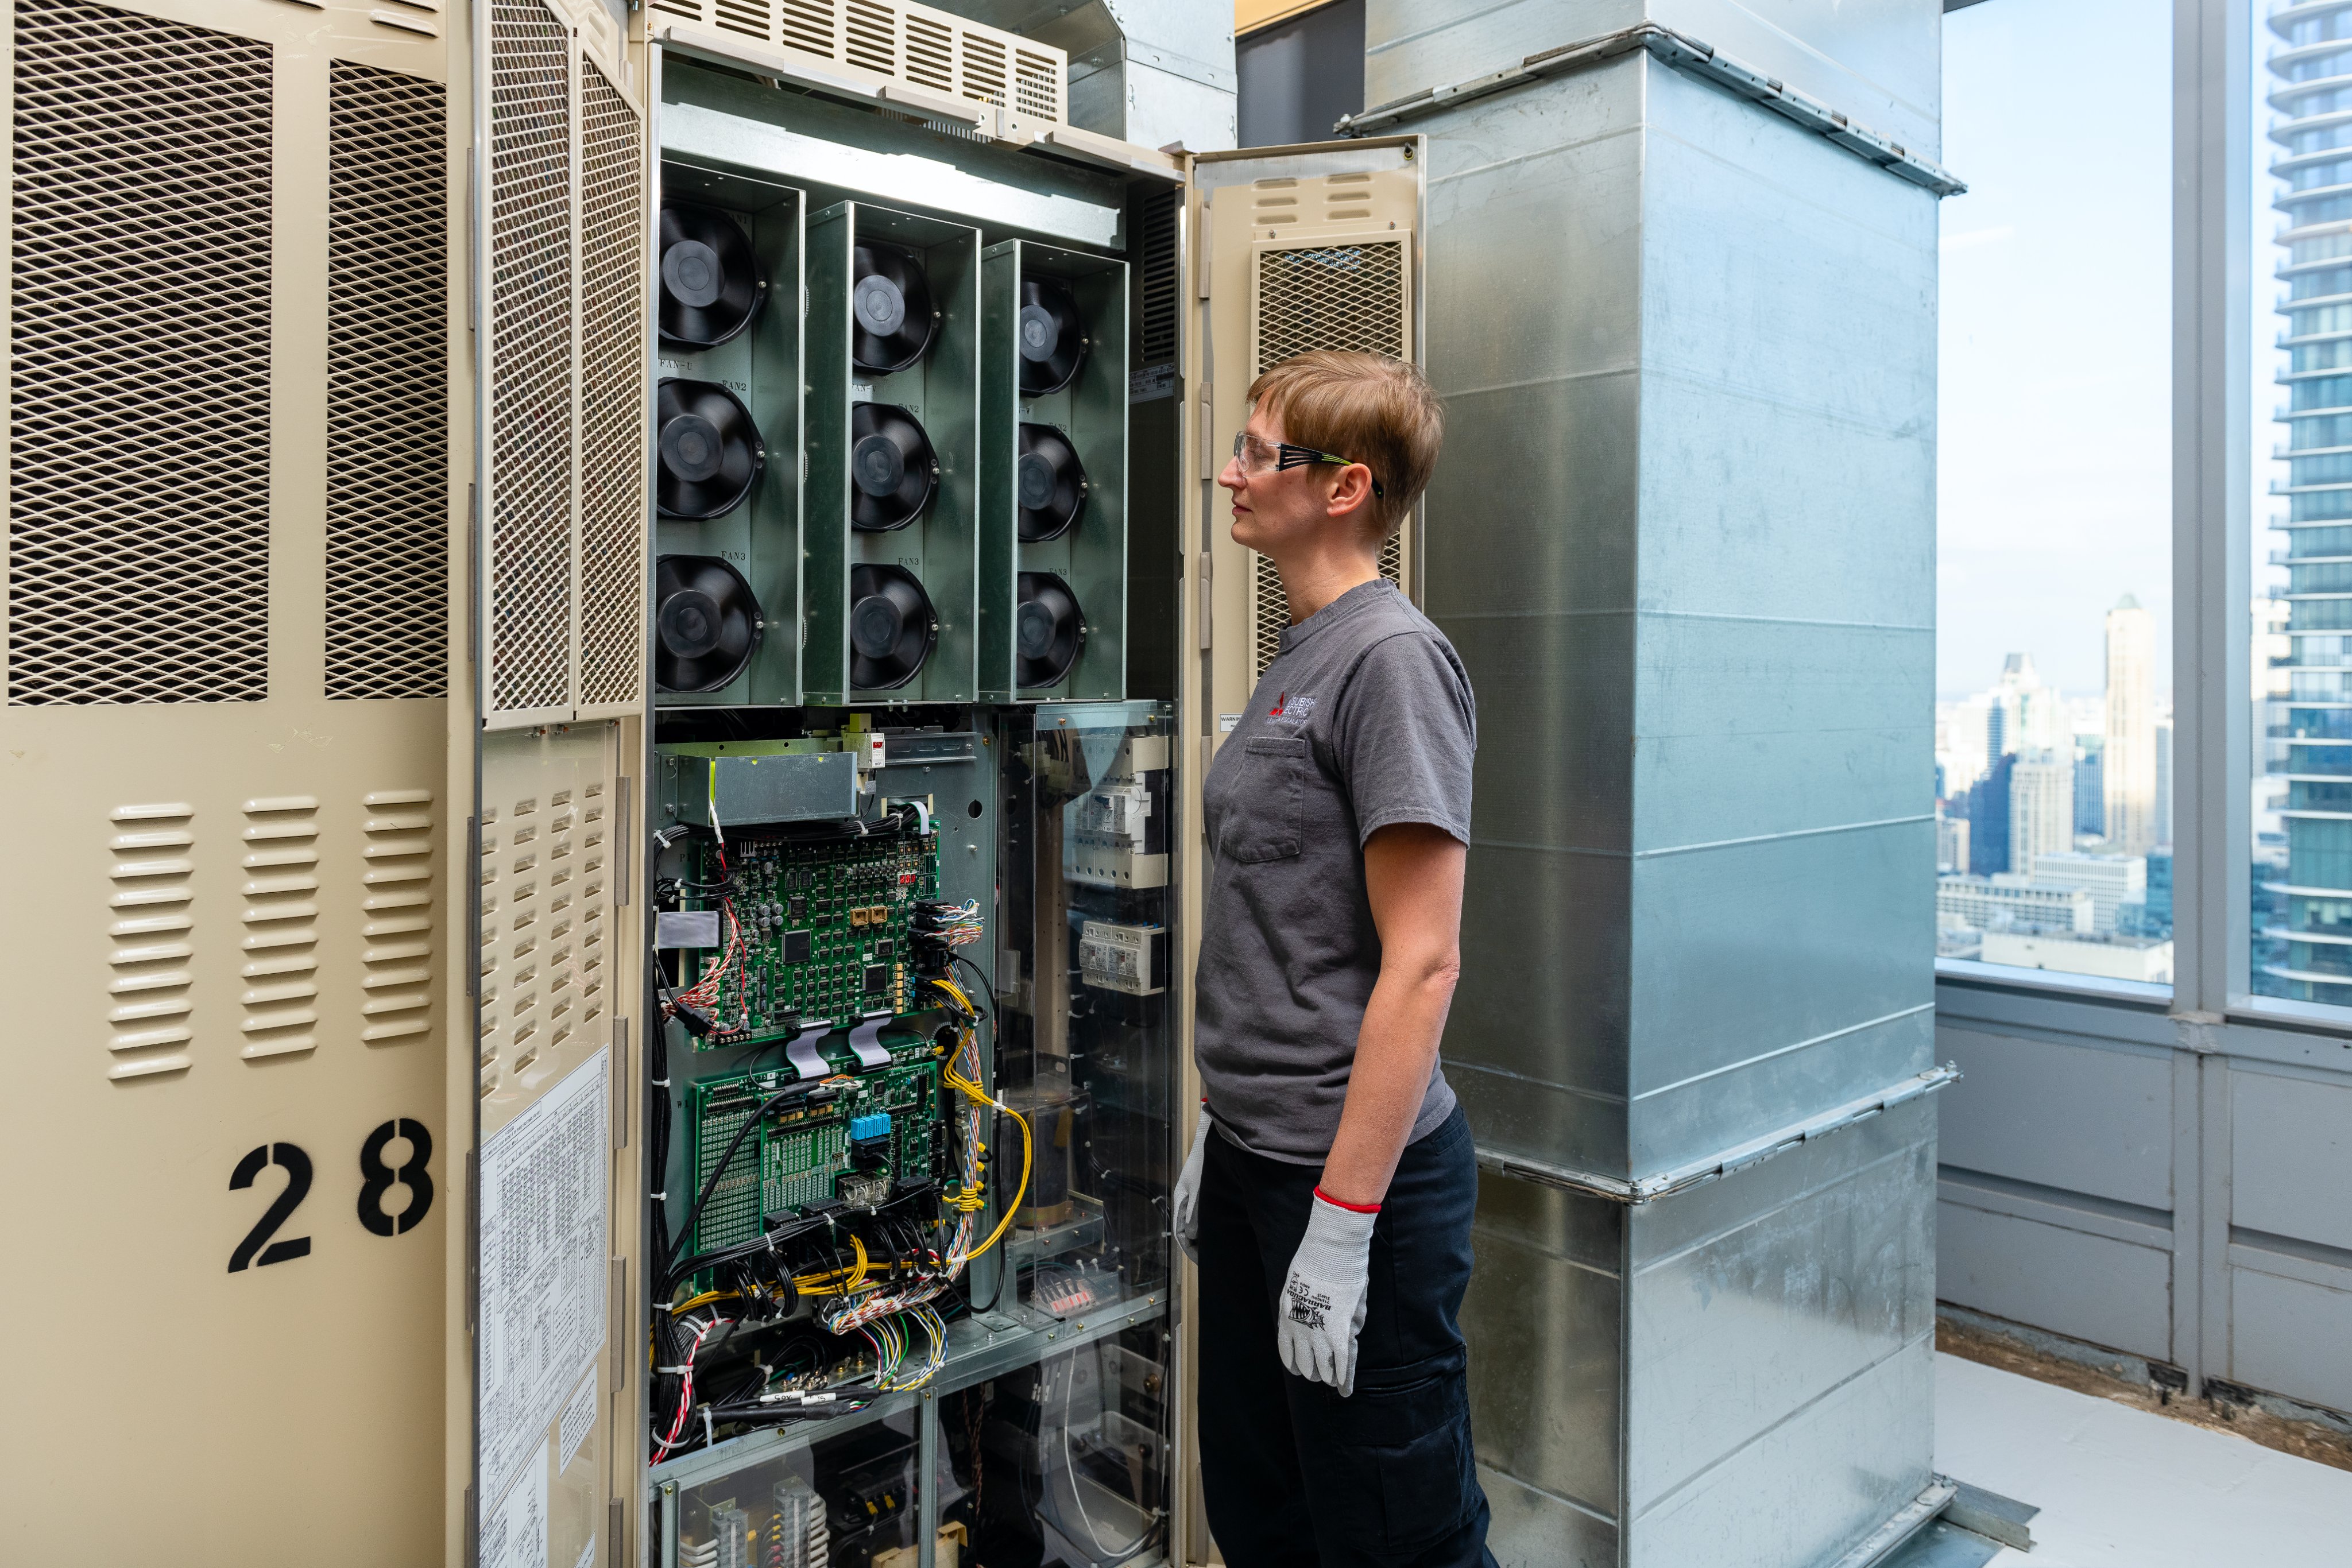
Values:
[(228, 670), (1296, 248), (539, 1376)]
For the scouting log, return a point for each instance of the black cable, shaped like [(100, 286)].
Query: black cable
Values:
[(793, 1091), (979, 983)]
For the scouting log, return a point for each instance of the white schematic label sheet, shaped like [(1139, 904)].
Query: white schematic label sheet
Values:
[(544, 1229)]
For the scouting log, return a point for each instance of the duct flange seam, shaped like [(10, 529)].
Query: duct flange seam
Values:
[(1665, 1184), (1685, 54)]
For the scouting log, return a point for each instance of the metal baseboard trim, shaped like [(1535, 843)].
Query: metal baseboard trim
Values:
[(1882, 1544)]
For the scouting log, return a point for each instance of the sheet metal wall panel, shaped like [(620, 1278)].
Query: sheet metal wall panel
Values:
[(1555, 704), (2080, 1118), (1813, 1487), (1536, 1051), (1543, 475), (1544, 1318), (1789, 347), (2291, 1156), (1756, 1296), (1880, 64), (2290, 1336), (1799, 940), (1530, 1528), (1743, 754), (1411, 46), (2087, 1287)]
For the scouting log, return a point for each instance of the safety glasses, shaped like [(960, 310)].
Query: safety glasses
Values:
[(1257, 456)]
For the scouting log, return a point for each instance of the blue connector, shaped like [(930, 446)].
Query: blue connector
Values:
[(873, 1125)]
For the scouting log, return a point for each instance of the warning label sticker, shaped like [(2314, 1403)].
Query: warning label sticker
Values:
[(544, 1229)]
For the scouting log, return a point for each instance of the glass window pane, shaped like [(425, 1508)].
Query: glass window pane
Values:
[(2053, 834), (2302, 659)]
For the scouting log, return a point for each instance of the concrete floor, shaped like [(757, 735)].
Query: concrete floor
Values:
[(2120, 1487)]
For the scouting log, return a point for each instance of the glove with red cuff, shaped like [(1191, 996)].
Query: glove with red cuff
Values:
[(1322, 1305)]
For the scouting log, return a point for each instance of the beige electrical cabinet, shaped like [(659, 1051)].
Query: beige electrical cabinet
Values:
[(407, 859)]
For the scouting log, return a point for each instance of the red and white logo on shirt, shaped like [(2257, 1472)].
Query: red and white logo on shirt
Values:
[(1290, 709)]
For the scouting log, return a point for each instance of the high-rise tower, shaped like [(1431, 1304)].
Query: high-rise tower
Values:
[(2127, 761), (2313, 165), (2041, 807)]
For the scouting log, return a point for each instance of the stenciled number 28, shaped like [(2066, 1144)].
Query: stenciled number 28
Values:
[(377, 1179)]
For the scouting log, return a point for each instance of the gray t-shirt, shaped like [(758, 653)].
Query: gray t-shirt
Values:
[(1364, 719)]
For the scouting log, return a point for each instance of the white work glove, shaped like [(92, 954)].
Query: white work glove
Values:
[(1322, 1305), (1186, 1205)]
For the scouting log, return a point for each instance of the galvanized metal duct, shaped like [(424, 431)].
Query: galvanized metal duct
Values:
[(1683, 537)]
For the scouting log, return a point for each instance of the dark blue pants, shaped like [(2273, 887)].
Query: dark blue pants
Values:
[(1293, 1475)]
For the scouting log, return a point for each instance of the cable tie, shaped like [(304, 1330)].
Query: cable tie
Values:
[(709, 1440), (658, 1196), (674, 1371)]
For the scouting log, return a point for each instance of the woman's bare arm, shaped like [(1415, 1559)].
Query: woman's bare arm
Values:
[(1413, 877)]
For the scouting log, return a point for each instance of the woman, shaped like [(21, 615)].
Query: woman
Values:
[(1328, 1196)]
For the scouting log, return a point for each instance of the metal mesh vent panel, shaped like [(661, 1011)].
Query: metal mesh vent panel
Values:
[(1156, 342), (138, 412), (387, 386), (1335, 296), (613, 468), (530, 632)]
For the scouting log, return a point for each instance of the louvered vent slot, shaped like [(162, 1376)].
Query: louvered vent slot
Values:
[(930, 54), (530, 371), (1332, 297), (749, 17), (387, 386), (983, 68), (486, 897), (150, 1006), (1156, 343), (685, 10), (563, 890), (526, 911), (139, 337), (396, 964), (592, 905), (612, 411), (808, 25), (280, 893), (873, 35), (1037, 84)]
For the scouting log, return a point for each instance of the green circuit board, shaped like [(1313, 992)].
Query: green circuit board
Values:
[(824, 930), (802, 1150)]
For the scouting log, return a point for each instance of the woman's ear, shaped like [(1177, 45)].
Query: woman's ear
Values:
[(1351, 494)]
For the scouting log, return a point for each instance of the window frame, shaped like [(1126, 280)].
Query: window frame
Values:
[(2213, 280)]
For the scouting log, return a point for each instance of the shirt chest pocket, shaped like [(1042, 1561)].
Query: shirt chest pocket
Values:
[(1266, 819)]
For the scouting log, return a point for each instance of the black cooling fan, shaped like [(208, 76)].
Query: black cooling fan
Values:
[(891, 628), (892, 469), (1053, 338), (891, 320), (710, 453), (1048, 630), (706, 623), (711, 285), (1052, 486)]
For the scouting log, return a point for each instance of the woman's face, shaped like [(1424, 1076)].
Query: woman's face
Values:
[(1277, 510)]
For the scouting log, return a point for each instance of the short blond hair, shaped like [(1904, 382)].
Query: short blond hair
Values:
[(1366, 408)]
